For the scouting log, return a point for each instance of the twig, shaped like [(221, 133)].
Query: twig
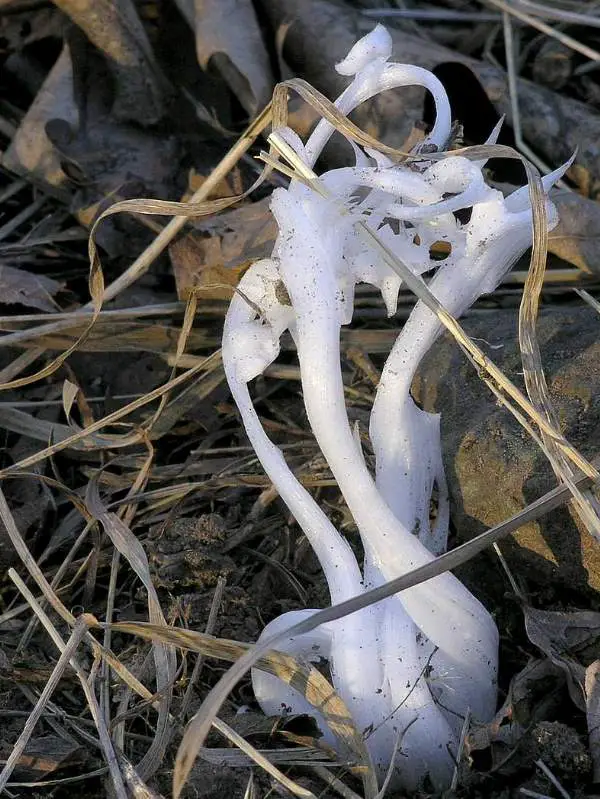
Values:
[(568, 41), (461, 748), (80, 630), (13, 224), (332, 782), (514, 98), (561, 15), (433, 14), (544, 768), (114, 417), (261, 760), (66, 656), (208, 629)]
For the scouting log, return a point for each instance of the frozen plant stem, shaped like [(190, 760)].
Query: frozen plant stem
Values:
[(413, 666)]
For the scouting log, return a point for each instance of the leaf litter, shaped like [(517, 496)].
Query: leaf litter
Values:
[(108, 470)]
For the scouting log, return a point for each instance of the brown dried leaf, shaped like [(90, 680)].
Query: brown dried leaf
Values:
[(25, 288), (114, 27), (198, 264), (531, 693), (44, 755), (567, 639), (576, 238), (227, 32), (237, 238), (230, 186), (31, 152)]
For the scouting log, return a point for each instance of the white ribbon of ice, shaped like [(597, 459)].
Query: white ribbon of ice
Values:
[(410, 667)]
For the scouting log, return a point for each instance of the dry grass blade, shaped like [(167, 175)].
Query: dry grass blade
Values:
[(533, 371), (568, 41), (450, 560), (30, 563), (107, 337), (87, 621), (96, 289), (334, 784), (184, 333), (26, 424), (127, 514), (51, 597), (328, 111), (66, 655), (261, 760), (303, 678), (208, 630), (559, 14), (121, 441), (164, 656), (166, 236), (182, 211)]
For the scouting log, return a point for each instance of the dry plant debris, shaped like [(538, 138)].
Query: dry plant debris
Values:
[(120, 439)]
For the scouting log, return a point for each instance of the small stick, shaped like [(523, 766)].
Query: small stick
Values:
[(334, 783), (68, 651), (17, 220), (80, 630), (546, 771), (514, 99), (208, 629), (568, 41), (261, 760), (461, 747)]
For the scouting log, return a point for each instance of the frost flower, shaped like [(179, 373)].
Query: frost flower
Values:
[(410, 667)]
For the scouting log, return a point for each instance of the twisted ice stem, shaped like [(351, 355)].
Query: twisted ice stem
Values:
[(443, 609), (308, 259), (497, 234), (249, 345)]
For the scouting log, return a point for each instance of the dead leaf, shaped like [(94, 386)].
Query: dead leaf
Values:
[(31, 153), (576, 238), (198, 264), (230, 186), (567, 639), (44, 755), (114, 27), (592, 712), (25, 288), (532, 696), (228, 34), (553, 64), (21, 28), (235, 239)]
